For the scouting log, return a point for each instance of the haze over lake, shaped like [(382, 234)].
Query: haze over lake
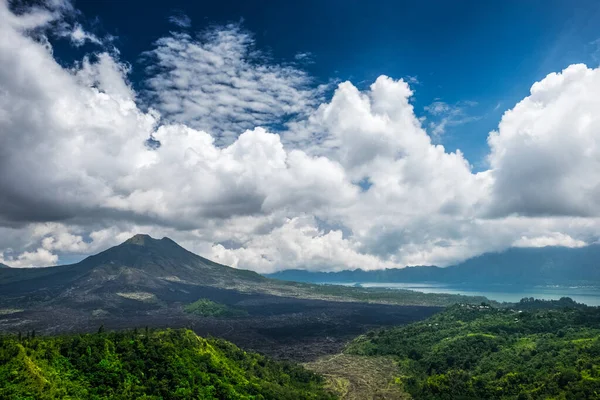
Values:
[(589, 295)]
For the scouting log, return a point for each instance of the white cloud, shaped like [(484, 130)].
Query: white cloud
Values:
[(35, 17), (38, 258), (79, 36), (437, 108), (181, 20), (556, 239), (299, 242), (77, 175), (78, 140), (305, 57), (444, 115), (545, 155), (219, 82)]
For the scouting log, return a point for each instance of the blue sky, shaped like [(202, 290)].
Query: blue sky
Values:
[(461, 53)]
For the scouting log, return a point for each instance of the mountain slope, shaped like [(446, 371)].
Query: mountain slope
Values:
[(165, 259), (171, 364), (515, 266), (140, 264), (4, 266), (544, 265), (548, 350)]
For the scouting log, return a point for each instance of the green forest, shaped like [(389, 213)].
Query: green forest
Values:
[(535, 350), (167, 364)]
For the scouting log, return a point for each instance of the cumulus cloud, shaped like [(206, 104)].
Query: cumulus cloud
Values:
[(298, 242), (352, 181), (39, 257), (545, 155)]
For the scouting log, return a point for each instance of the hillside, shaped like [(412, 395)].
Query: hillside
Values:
[(537, 350), (4, 266), (170, 364), (515, 266), (542, 266)]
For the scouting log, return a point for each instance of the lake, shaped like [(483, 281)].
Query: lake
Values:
[(589, 295)]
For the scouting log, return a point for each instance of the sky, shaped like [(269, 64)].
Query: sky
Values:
[(321, 135)]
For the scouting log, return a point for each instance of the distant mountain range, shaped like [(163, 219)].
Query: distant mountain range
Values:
[(515, 266), (4, 266)]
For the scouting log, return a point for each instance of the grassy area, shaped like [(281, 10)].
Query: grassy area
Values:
[(353, 377), (208, 308)]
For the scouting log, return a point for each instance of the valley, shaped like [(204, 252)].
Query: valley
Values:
[(150, 282), (283, 328)]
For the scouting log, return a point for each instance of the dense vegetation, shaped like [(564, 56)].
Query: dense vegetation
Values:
[(207, 308), (535, 350), (170, 364)]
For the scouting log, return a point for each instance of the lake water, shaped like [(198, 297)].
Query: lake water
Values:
[(589, 295)]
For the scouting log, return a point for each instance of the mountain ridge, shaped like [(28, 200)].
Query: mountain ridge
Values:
[(518, 266)]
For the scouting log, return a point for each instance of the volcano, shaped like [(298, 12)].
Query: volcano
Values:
[(139, 268)]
